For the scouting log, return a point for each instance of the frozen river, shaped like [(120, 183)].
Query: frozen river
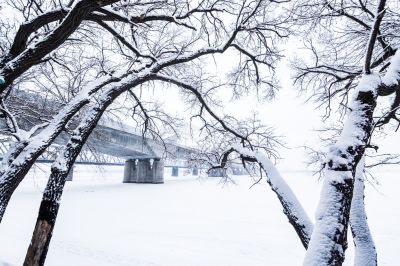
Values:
[(186, 221)]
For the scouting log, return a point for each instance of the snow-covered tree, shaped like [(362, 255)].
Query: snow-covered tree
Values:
[(137, 45), (355, 62), (134, 45)]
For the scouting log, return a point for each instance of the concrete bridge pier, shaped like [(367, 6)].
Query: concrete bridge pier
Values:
[(144, 171), (175, 171)]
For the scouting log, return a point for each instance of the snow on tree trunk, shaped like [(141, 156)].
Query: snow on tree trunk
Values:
[(365, 252), (14, 171), (292, 208), (23, 154), (50, 203), (48, 210), (329, 238)]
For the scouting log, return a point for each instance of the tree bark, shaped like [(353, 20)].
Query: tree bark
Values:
[(50, 204), (43, 231)]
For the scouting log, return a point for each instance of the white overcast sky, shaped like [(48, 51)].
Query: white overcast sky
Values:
[(293, 117)]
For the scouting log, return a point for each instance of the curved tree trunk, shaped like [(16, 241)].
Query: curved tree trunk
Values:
[(50, 203), (15, 171), (49, 206), (292, 208), (23, 154), (365, 251), (327, 241)]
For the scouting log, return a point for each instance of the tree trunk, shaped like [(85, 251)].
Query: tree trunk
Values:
[(49, 206), (24, 154), (292, 208), (329, 238), (365, 251), (48, 211), (45, 222)]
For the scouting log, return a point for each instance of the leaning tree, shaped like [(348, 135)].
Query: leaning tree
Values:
[(164, 41), (352, 62), (131, 46)]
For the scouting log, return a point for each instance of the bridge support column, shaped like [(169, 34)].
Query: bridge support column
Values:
[(144, 171), (175, 171)]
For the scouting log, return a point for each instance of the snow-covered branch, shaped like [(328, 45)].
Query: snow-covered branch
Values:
[(292, 208), (17, 64)]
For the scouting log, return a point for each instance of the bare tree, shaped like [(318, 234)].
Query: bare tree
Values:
[(350, 56), (246, 22), (344, 64), (164, 41), (27, 50), (151, 41)]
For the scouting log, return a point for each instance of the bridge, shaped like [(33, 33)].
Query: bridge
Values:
[(111, 143)]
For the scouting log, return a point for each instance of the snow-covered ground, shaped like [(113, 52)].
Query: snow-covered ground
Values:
[(186, 221)]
